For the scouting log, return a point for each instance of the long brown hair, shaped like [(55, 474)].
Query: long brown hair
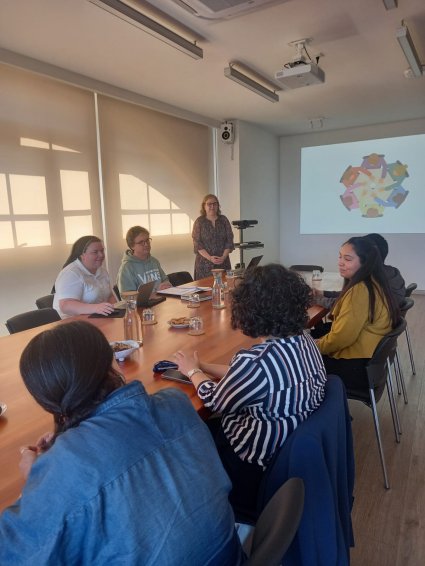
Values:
[(204, 200)]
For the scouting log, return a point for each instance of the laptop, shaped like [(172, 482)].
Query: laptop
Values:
[(146, 294), (253, 263)]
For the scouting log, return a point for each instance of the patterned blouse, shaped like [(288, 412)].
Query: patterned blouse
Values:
[(267, 391), (213, 239)]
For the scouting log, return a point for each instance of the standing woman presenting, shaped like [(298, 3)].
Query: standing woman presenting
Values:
[(212, 238)]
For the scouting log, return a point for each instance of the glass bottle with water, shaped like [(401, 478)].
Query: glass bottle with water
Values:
[(131, 321), (217, 289)]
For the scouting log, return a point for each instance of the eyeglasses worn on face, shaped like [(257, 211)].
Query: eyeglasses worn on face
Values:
[(211, 203), (143, 242)]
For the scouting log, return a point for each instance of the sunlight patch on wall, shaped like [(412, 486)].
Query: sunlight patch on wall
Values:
[(148, 206), (4, 201), (133, 193), (30, 142), (32, 233), (160, 224), (28, 194), (157, 200), (75, 190), (180, 223), (129, 220), (6, 235), (77, 226)]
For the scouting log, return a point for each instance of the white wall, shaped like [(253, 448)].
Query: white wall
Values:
[(406, 250), (248, 187)]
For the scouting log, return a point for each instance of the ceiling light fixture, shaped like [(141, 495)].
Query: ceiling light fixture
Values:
[(140, 14), (409, 50), (252, 80), (390, 4)]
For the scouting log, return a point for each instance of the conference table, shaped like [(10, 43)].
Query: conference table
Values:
[(24, 421)]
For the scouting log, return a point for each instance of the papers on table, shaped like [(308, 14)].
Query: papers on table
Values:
[(179, 291)]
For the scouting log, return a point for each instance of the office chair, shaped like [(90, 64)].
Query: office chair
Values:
[(179, 278), (45, 302), (379, 377), (320, 452), (277, 525), (405, 306), (31, 319), (410, 288)]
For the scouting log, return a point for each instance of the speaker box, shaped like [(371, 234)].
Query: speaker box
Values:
[(227, 134)]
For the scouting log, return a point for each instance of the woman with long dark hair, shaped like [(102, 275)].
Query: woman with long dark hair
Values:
[(83, 286), (364, 313), (124, 478)]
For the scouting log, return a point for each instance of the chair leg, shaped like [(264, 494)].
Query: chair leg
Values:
[(378, 437), (409, 345), (393, 405), (399, 372)]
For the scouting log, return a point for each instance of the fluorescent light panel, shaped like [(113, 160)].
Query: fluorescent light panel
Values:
[(138, 18), (236, 75), (409, 50)]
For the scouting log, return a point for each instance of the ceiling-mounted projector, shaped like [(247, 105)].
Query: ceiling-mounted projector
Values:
[(301, 74)]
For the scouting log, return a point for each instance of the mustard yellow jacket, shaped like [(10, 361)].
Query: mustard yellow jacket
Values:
[(352, 334)]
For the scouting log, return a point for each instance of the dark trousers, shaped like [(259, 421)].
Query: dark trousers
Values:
[(245, 477)]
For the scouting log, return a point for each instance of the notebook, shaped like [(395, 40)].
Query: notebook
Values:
[(146, 294)]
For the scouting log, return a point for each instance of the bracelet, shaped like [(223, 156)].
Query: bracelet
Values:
[(193, 371)]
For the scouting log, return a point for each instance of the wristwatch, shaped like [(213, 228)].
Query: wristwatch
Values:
[(192, 372)]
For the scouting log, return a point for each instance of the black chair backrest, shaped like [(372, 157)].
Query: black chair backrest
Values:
[(45, 302), (277, 524), (31, 319), (406, 305), (410, 288), (307, 268), (179, 278), (376, 368)]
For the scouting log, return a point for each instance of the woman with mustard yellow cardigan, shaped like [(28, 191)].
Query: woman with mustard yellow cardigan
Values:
[(364, 313)]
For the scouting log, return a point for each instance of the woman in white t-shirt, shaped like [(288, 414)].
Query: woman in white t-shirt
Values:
[(83, 286)]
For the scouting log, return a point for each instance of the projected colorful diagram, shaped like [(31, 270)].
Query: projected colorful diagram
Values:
[(374, 186)]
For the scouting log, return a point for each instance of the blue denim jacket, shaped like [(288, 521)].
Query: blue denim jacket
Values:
[(139, 482)]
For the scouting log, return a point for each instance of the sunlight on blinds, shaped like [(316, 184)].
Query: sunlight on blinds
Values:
[(30, 142), (28, 194), (77, 226), (129, 220), (133, 193), (31, 233), (75, 190), (4, 201), (6, 235)]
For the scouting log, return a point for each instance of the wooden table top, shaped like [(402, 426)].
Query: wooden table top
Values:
[(25, 421)]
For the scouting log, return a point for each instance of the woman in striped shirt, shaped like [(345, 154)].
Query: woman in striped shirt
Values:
[(268, 389)]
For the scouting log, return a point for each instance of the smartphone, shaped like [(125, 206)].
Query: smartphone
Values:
[(175, 375)]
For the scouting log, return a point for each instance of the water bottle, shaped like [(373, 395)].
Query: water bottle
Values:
[(131, 321), (217, 289)]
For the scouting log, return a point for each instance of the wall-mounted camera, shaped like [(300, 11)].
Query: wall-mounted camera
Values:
[(227, 132)]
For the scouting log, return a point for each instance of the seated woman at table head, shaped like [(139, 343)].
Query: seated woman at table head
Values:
[(365, 311), (138, 266), (269, 388), (125, 478), (83, 286)]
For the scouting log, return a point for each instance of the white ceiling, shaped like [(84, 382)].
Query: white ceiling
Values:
[(361, 57)]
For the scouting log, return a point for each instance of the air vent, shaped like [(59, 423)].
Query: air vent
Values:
[(221, 9)]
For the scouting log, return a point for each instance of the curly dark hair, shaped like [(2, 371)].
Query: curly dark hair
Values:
[(271, 301), (68, 370)]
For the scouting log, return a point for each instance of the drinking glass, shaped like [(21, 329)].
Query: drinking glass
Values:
[(196, 325), (148, 316), (194, 301)]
